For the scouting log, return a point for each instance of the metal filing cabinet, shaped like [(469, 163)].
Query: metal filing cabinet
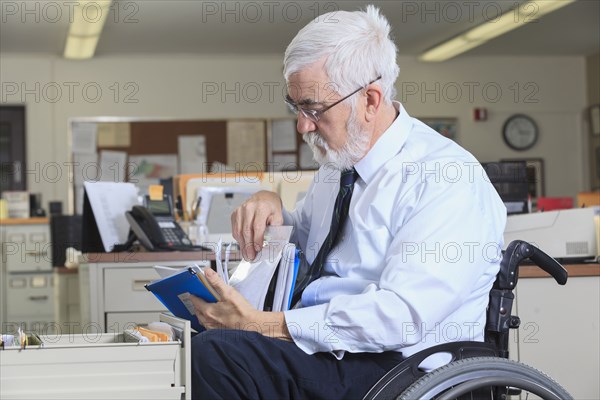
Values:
[(100, 366), (27, 280)]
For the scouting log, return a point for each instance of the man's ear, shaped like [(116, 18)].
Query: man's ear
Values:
[(374, 99)]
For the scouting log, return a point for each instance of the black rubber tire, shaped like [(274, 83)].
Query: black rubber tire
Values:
[(480, 372)]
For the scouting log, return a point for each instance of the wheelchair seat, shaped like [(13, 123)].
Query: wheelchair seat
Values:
[(476, 365)]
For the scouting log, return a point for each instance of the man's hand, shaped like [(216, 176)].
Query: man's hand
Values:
[(234, 312), (249, 221)]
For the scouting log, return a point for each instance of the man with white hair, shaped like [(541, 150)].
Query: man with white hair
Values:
[(401, 232)]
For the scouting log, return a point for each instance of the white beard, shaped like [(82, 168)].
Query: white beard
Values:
[(349, 154)]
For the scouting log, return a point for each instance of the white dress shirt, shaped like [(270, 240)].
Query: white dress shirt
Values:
[(417, 257)]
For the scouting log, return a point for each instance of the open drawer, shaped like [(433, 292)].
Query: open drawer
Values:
[(99, 366)]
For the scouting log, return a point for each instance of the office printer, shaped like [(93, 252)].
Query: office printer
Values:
[(564, 234)]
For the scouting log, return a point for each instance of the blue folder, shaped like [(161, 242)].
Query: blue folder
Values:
[(169, 291)]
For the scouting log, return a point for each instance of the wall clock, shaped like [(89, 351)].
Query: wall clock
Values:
[(520, 132)]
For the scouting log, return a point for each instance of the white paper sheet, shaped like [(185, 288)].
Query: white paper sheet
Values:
[(165, 272), (114, 134), (246, 145), (83, 137), (113, 165), (283, 135), (192, 154), (252, 279), (86, 168), (109, 201)]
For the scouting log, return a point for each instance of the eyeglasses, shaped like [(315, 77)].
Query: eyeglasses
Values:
[(315, 115)]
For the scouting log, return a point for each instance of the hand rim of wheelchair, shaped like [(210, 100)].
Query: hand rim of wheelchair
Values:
[(463, 376)]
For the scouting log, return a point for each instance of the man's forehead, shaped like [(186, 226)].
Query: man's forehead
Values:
[(310, 91)]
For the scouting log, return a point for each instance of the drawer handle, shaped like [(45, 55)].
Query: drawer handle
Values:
[(140, 285), (38, 298)]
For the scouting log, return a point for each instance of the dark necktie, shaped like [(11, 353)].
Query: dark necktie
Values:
[(340, 214)]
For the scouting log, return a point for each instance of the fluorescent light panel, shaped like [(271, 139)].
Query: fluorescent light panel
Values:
[(84, 32), (525, 13)]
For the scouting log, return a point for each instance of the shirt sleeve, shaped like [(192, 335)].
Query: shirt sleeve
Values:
[(444, 253)]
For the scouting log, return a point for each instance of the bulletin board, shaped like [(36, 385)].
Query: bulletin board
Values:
[(224, 140), (161, 137)]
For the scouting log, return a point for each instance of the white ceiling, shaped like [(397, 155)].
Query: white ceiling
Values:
[(196, 27)]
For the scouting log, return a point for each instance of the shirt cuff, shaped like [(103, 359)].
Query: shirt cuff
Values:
[(311, 332)]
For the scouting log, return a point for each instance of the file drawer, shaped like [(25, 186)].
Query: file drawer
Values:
[(40, 324), (27, 248), (124, 290), (116, 322), (99, 366), (29, 295)]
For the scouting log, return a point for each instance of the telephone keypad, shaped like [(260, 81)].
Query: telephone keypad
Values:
[(171, 236)]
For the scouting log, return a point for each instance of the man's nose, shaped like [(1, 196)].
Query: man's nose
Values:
[(305, 124)]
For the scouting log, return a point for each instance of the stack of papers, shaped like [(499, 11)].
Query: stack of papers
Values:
[(266, 282)]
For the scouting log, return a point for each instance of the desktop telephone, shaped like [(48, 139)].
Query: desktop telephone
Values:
[(155, 227)]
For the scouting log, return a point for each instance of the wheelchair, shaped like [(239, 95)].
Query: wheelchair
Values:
[(480, 370)]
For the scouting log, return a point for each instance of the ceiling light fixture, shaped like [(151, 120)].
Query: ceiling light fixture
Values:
[(89, 17), (527, 12)]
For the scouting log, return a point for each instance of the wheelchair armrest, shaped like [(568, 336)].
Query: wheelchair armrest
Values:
[(516, 252), (550, 265), (403, 375)]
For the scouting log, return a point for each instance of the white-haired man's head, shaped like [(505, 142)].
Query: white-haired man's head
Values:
[(356, 46), (342, 52)]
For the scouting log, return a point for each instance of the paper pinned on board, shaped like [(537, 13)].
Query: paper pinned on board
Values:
[(83, 137), (114, 134), (113, 166), (246, 143), (283, 135), (192, 154)]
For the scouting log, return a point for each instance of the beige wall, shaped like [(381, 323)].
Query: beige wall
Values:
[(552, 90)]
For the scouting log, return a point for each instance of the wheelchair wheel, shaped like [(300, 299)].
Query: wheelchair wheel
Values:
[(465, 376)]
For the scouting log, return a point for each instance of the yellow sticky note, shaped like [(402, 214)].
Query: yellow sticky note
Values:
[(156, 192)]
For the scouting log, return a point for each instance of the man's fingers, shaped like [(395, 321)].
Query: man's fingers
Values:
[(250, 220), (197, 302), (236, 226), (241, 225), (259, 236), (215, 281)]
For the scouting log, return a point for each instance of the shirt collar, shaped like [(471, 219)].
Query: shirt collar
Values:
[(387, 146)]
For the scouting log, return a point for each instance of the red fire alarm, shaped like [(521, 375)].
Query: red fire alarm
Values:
[(479, 114)]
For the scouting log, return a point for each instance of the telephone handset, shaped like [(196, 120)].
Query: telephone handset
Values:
[(157, 232)]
